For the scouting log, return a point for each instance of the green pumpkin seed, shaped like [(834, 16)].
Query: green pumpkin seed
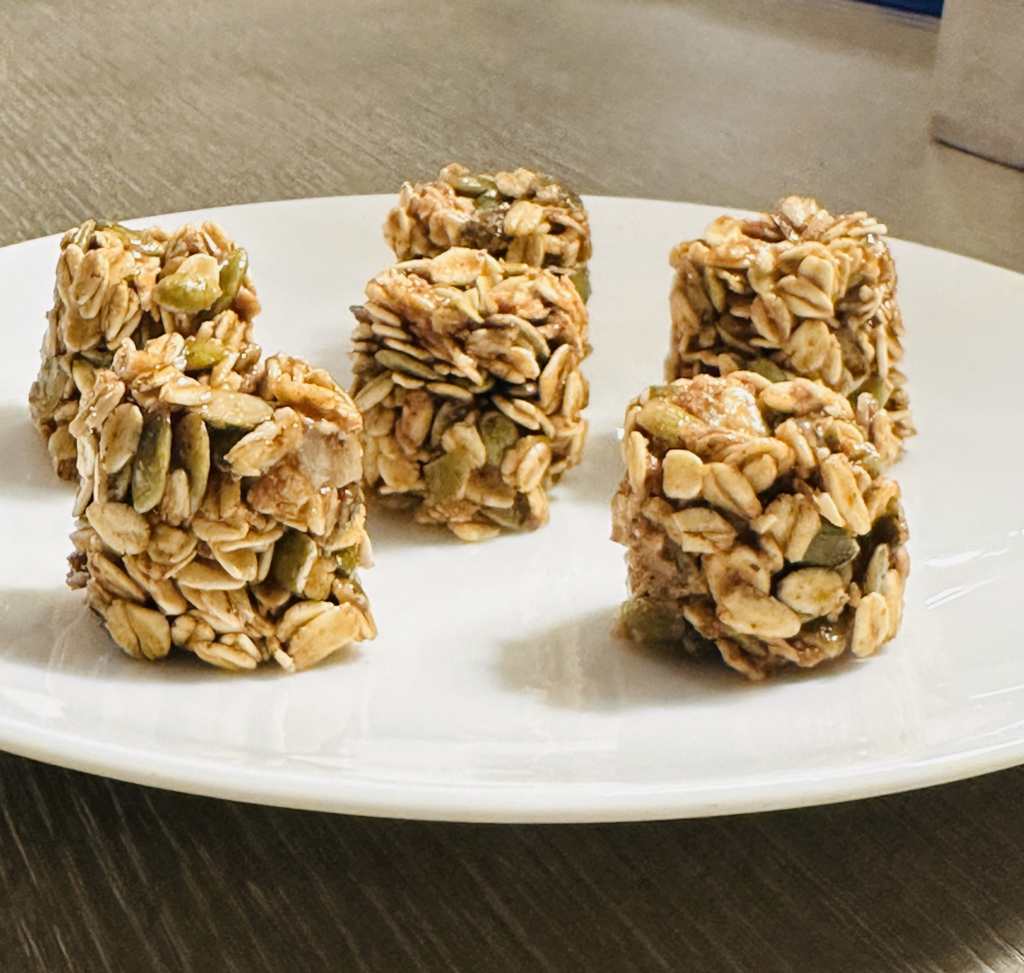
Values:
[(766, 369), (498, 433), (487, 201), (134, 240), (831, 547), (348, 560), (236, 409), (203, 353), (232, 274), (294, 556), (186, 293), (511, 518), (447, 476), (879, 388), (396, 361), (152, 461), (51, 387), (192, 454), (471, 185), (890, 528), (581, 281), (647, 621), (222, 441), (665, 420)]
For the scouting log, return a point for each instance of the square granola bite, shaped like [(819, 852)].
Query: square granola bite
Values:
[(758, 524)]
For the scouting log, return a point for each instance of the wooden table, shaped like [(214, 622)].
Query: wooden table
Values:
[(118, 109)]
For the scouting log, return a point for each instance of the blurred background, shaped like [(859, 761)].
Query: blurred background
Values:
[(135, 109)]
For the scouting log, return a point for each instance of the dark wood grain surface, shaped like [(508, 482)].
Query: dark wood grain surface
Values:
[(121, 109)]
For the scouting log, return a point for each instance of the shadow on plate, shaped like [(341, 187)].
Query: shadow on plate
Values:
[(579, 665), (25, 470), (390, 529), (595, 480), (52, 629)]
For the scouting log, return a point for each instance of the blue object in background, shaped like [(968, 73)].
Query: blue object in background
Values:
[(930, 7)]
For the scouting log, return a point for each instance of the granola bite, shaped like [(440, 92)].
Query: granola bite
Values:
[(757, 524), (229, 523), (522, 217), (796, 293), (467, 372), (115, 284)]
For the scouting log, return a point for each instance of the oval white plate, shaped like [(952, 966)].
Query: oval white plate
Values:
[(494, 692)]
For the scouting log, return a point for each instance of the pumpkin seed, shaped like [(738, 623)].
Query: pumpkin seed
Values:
[(294, 556), (237, 409), (447, 476), (642, 620), (498, 433), (397, 361), (152, 461), (192, 453), (664, 420), (187, 293), (348, 560), (766, 369), (879, 388), (831, 546), (581, 281), (202, 353), (487, 200), (471, 185)]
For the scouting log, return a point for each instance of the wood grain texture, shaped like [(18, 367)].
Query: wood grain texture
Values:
[(99, 875), (115, 109), (119, 109)]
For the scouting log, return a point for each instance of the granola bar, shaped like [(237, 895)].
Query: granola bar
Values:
[(115, 284), (467, 372), (522, 217), (758, 524), (796, 293), (229, 523)]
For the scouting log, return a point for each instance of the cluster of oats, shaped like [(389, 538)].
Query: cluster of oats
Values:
[(758, 524), (227, 522), (520, 217), (796, 293), (115, 284), (467, 372)]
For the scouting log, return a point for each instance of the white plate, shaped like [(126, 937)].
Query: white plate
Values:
[(494, 692)]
